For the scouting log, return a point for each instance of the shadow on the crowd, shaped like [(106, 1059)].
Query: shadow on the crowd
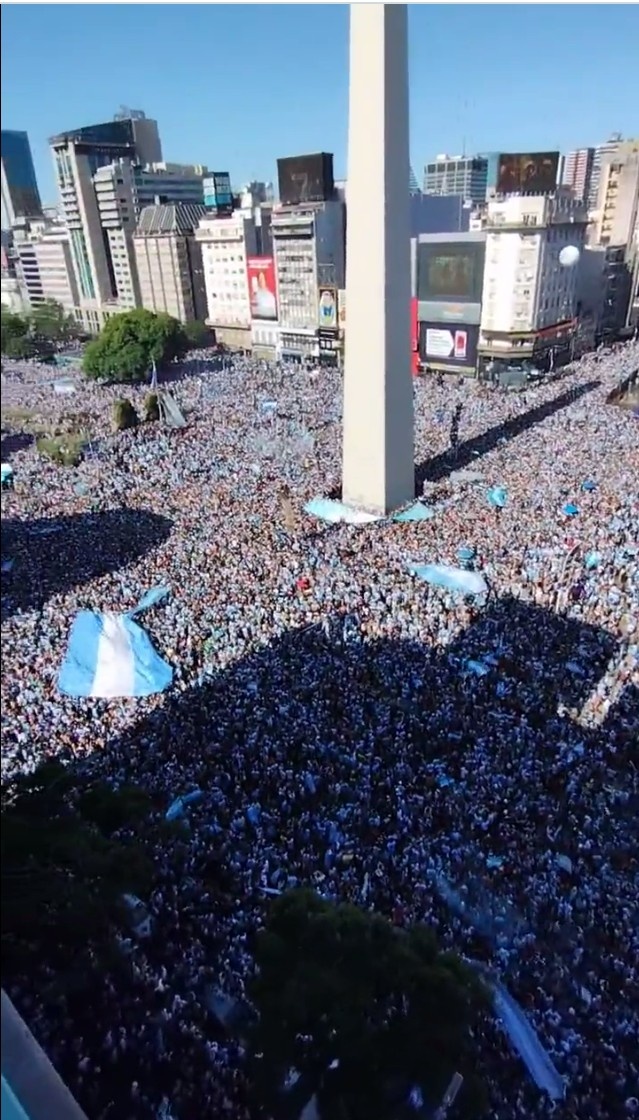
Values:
[(470, 451), (262, 708), (331, 712), (50, 556), (13, 442)]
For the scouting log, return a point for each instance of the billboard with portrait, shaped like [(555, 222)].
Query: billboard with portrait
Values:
[(306, 178), (262, 287), (451, 271), (527, 172), (328, 313)]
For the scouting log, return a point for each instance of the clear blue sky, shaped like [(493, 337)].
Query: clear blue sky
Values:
[(237, 86)]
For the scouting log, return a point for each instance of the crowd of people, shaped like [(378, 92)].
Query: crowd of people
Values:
[(469, 764)]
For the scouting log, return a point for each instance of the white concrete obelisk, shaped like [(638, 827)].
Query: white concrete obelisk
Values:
[(378, 453)]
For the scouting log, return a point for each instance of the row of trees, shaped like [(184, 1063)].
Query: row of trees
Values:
[(125, 351), (130, 344), (36, 334)]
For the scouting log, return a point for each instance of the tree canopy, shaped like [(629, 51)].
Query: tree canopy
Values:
[(63, 873), (32, 335), (198, 334), (362, 1010), (130, 343)]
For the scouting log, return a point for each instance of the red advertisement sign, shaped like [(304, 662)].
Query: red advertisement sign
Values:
[(414, 337), (262, 287), (461, 344)]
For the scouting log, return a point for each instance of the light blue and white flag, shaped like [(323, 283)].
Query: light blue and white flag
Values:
[(109, 656)]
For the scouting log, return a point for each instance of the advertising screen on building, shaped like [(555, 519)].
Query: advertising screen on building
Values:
[(527, 172), (217, 192), (262, 288), (341, 314), (450, 270), (327, 317), (306, 178), (442, 346)]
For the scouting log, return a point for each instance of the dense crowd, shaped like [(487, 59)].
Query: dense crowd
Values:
[(472, 765)]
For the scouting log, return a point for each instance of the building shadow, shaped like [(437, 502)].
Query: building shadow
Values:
[(50, 556), (470, 451), (13, 442), (314, 729)]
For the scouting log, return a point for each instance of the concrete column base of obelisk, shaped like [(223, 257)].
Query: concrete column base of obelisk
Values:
[(378, 449)]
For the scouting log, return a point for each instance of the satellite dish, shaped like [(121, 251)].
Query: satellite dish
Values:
[(569, 256)]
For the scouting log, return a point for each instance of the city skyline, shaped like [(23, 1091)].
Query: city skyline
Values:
[(478, 111)]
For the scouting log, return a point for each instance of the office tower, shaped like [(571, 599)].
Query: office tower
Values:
[(169, 260), (463, 175), (618, 197), (529, 301), (600, 153), (78, 155), (378, 441), (575, 171), (227, 244), (20, 194), (309, 251)]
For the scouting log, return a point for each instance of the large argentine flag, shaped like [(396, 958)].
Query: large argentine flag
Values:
[(110, 656)]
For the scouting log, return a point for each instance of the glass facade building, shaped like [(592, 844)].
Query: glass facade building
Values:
[(20, 194)]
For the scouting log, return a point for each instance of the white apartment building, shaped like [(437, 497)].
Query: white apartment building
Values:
[(617, 208), (226, 244), (309, 251), (43, 261), (529, 300)]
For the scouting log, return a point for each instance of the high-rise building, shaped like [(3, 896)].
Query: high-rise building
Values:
[(617, 205), (123, 189), (529, 301), (40, 248), (600, 153), (309, 247), (575, 171), (463, 175), (227, 244), (20, 194), (78, 155), (169, 260)]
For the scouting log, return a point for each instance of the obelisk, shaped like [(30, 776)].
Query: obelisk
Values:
[(378, 471)]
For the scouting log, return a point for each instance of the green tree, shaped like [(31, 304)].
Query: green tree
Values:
[(63, 874), (384, 1004), (124, 415), (66, 450), (15, 333), (198, 334), (50, 321), (130, 343)]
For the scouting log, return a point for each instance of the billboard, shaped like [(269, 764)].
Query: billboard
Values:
[(341, 313), (217, 192), (306, 178), (328, 314), (527, 172), (262, 287), (449, 347), (450, 271)]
